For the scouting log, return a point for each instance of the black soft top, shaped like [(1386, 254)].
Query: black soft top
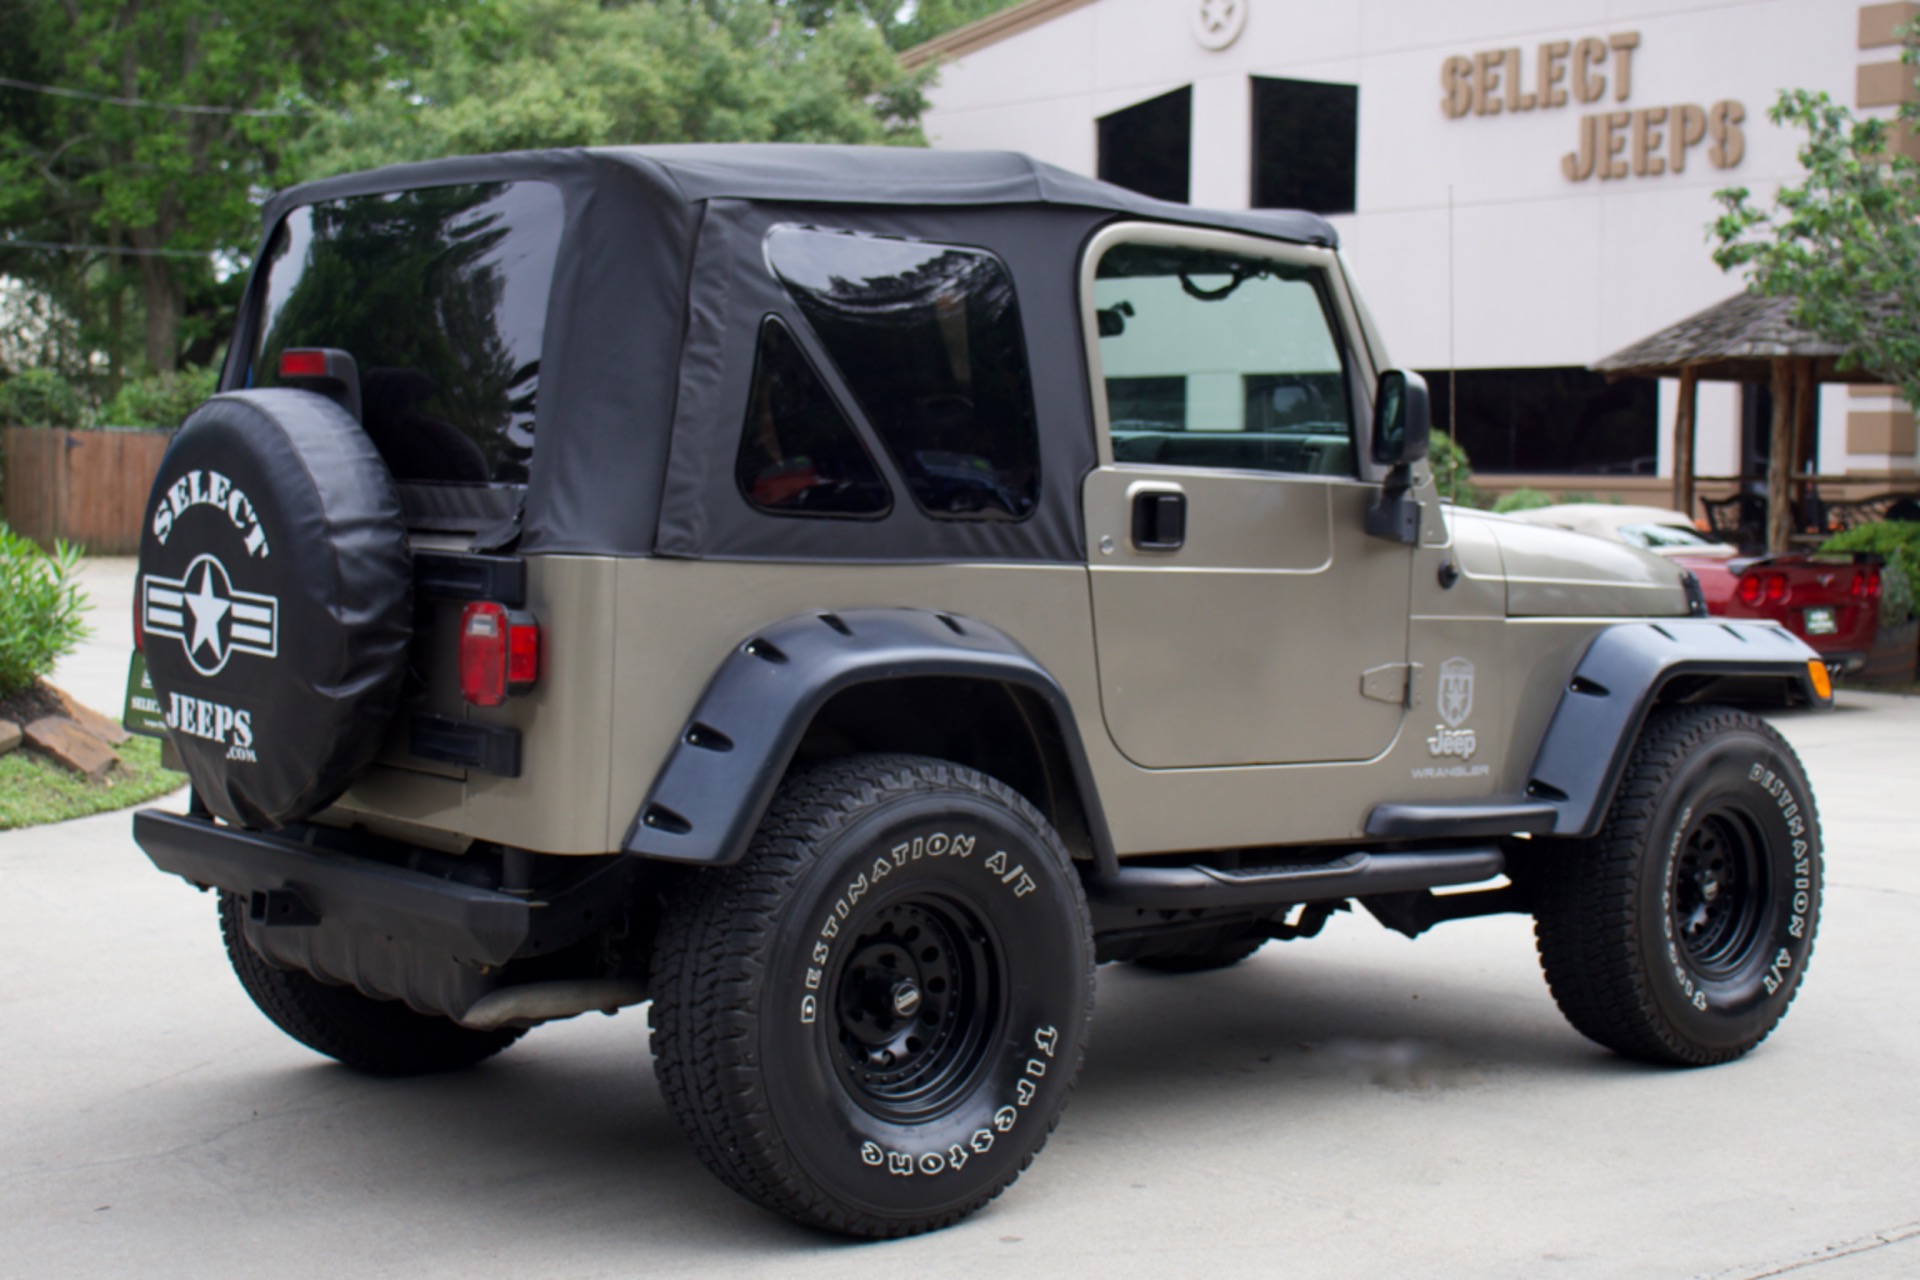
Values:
[(791, 172), (659, 289)]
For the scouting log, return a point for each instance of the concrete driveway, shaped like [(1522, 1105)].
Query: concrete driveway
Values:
[(1356, 1105)]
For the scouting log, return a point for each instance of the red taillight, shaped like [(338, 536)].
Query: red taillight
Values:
[(1865, 586), (303, 362), (1776, 588), (1749, 590), (499, 653)]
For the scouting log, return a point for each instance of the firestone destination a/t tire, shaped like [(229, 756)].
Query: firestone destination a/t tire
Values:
[(872, 1023), (1681, 933)]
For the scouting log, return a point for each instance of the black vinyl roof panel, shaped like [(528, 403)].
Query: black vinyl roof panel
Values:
[(796, 173)]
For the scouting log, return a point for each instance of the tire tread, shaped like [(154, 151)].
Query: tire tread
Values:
[(707, 984), (1586, 928)]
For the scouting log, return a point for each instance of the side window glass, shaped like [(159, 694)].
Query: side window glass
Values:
[(1216, 359), (798, 453), (928, 338)]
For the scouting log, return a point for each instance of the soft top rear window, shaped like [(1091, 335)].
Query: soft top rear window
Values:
[(440, 296)]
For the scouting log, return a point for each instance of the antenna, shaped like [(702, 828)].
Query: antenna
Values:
[(1453, 404)]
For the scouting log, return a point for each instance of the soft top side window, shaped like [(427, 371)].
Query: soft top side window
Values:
[(928, 339), (1219, 359)]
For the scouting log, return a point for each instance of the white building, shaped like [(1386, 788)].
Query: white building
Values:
[(1522, 186)]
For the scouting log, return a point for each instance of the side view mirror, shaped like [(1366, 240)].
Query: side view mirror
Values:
[(1401, 418)]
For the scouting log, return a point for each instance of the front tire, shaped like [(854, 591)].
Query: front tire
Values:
[(379, 1037), (1681, 933), (872, 1022)]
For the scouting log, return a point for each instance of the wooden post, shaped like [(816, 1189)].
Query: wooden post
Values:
[(1803, 385), (1780, 458), (1683, 430)]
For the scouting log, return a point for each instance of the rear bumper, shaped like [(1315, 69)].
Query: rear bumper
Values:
[(470, 924)]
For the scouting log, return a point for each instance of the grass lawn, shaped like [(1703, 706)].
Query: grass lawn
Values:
[(34, 790)]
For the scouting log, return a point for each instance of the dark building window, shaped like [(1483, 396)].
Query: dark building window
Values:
[(1148, 147), (1158, 401), (799, 454), (1555, 421), (1305, 139), (928, 339)]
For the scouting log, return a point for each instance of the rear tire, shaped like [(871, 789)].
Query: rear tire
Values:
[(1679, 935), (379, 1037), (871, 1023)]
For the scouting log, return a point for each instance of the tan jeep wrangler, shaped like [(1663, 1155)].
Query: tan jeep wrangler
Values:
[(840, 596)]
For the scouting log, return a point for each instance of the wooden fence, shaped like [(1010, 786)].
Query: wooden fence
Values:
[(88, 487)]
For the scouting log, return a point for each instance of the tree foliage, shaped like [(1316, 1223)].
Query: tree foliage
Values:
[(1844, 242), (169, 119), (902, 25), (538, 73), (117, 158)]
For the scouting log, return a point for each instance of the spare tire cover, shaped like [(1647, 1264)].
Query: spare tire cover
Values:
[(276, 596)]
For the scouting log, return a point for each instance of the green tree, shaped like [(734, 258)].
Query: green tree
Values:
[(165, 119), (1844, 242), (902, 25), (535, 73)]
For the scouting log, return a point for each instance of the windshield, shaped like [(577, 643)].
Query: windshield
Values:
[(440, 296), (1665, 537)]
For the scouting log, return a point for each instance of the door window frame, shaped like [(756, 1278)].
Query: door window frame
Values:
[(1358, 356)]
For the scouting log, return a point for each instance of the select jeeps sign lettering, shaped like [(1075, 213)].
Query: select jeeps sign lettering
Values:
[(1611, 145)]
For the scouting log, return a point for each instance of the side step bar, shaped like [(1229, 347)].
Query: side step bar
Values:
[(1353, 875)]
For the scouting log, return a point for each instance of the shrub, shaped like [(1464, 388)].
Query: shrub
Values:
[(40, 398), (161, 399), (1452, 474), (1898, 542), (40, 608), (1523, 499)]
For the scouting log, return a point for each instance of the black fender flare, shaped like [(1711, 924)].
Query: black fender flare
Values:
[(1623, 673), (736, 745)]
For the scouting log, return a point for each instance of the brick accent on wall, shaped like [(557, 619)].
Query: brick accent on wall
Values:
[(1878, 21), (1880, 431)]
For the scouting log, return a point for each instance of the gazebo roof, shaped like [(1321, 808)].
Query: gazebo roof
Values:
[(1732, 341)]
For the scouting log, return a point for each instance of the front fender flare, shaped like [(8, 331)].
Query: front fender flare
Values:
[(735, 747), (1617, 682)]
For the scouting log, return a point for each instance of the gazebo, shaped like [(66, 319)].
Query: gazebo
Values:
[(1747, 338)]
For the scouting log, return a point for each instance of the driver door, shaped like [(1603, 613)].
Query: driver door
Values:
[(1242, 615)]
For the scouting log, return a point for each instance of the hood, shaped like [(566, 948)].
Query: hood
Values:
[(1558, 573)]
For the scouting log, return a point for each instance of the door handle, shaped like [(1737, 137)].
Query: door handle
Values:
[(1159, 520)]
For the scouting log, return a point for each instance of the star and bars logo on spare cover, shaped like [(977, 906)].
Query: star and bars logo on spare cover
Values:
[(209, 616)]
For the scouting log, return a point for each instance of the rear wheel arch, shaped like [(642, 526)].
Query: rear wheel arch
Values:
[(819, 686), (1004, 730)]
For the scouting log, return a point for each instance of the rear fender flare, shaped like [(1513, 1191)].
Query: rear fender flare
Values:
[(742, 735), (1629, 668)]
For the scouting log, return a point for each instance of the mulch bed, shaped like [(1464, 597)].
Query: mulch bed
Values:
[(30, 704)]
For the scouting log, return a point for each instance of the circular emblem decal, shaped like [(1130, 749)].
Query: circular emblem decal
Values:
[(210, 619), (1218, 23)]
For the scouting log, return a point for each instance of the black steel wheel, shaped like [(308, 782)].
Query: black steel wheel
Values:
[(871, 1024), (1681, 933), (380, 1037), (917, 1003)]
